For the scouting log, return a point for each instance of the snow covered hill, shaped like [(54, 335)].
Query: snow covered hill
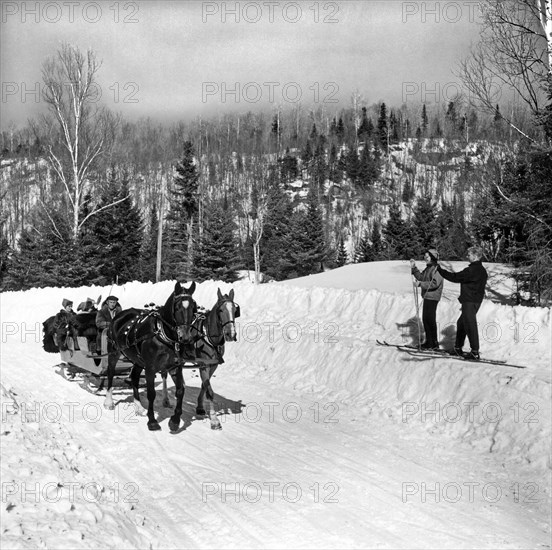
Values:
[(328, 440)]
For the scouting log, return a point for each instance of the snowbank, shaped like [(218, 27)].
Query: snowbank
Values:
[(312, 336)]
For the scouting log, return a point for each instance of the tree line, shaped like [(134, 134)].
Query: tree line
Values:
[(90, 197)]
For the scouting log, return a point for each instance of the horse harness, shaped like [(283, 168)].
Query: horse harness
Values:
[(159, 331), (202, 341)]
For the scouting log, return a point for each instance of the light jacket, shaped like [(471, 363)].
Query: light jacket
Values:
[(431, 282)]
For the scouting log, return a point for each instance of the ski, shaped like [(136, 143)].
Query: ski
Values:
[(406, 347), (434, 354)]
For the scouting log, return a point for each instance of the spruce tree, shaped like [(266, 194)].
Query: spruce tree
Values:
[(217, 255), (342, 256), (377, 245), (184, 205), (368, 169), (117, 233), (309, 248), (383, 127), (365, 252), (366, 127), (148, 250), (5, 254), (44, 255), (277, 240), (352, 165), (398, 235), (424, 226), (425, 121)]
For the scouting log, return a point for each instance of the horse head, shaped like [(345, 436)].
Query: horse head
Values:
[(183, 312), (227, 312)]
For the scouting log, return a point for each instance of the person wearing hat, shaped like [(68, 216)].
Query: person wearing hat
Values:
[(88, 306), (104, 317), (431, 283), (472, 291), (64, 323)]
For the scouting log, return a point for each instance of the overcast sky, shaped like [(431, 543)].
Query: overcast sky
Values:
[(176, 60)]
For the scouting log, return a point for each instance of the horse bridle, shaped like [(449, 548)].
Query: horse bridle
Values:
[(237, 312), (178, 328)]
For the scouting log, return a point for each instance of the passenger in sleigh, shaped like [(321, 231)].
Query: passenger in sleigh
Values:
[(104, 317), (64, 325), (85, 322)]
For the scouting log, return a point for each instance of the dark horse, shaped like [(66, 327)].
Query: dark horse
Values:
[(211, 330), (157, 341)]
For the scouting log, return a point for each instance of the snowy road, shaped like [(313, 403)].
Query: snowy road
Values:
[(296, 464)]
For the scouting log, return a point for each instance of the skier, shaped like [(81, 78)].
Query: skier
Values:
[(472, 291), (431, 283)]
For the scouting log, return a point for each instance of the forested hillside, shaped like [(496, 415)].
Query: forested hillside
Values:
[(287, 194)]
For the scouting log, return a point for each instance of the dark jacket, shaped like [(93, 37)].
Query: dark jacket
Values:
[(64, 319), (104, 316), (472, 281), (431, 282)]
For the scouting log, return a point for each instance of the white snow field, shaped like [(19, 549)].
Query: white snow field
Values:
[(328, 440)]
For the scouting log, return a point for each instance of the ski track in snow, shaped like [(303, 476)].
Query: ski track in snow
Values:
[(351, 453)]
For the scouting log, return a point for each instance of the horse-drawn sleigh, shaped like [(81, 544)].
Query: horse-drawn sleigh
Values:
[(163, 340)]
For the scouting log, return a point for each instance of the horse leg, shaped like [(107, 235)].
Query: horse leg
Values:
[(206, 374), (178, 380), (150, 381), (200, 409), (166, 400), (135, 381), (112, 359)]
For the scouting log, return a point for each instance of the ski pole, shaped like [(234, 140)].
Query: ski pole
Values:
[(417, 304)]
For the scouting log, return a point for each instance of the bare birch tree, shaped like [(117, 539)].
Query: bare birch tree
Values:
[(79, 132), (514, 53)]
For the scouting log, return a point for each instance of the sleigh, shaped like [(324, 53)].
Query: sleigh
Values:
[(88, 361)]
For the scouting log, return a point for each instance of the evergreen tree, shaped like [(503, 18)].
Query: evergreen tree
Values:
[(424, 227), (382, 127), (342, 256), (377, 245), (307, 156), (366, 127), (289, 169), (319, 168), (451, 119), (398, 235), (217, 255), (333, 127), (334, 173), (5, 253), (368, 169), (425, 121), (352, 165), (340, 129), (407, 192), (365, 252), (309, 250), (184, 205), (452, 240), (44, 256), (277, 240), (116, 233), (148, 251)]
